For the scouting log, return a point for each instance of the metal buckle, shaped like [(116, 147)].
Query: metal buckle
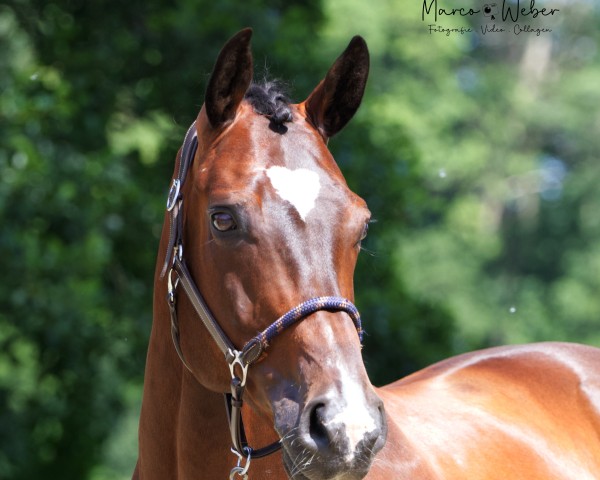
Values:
[(173, 195), (235, 358), (240, 470)]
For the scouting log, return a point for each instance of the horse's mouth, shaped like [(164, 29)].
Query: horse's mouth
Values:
[(306, 464)]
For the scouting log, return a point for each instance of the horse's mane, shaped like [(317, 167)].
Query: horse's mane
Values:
[(270, 99)]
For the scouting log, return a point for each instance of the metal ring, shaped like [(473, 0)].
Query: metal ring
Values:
[(238, 471), (237, 359)]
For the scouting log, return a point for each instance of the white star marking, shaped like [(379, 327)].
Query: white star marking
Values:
[(300, 187)]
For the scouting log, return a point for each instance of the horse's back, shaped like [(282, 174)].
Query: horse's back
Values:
[(519, 412)]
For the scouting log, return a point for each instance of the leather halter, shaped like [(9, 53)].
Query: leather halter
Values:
[(238, 360)]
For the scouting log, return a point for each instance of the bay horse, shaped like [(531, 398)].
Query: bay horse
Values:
[(253, 320)]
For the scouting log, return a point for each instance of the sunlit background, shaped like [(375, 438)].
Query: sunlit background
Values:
[(477, 153)]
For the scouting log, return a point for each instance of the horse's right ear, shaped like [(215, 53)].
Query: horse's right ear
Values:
[(229, 80)]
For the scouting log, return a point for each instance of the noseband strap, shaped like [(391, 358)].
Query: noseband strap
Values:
[(238, 360), (254, 348)]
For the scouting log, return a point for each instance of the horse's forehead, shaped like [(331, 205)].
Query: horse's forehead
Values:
[(296, 165)]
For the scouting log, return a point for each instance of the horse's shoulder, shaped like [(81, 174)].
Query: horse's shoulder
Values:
[(473, 412), (544, 376)]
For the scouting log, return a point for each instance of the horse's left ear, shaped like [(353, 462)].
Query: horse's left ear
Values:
[(335, 100), (230, 79)]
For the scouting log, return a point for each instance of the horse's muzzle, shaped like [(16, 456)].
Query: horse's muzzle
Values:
[(336, 437)]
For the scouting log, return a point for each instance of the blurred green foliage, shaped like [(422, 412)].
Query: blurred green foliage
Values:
[(476, 153)]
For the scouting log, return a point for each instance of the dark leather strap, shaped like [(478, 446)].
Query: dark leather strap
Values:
[(175, 196), (236, 425), (190, 289)]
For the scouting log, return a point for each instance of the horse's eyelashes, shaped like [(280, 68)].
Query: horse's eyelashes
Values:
[(365, 231)]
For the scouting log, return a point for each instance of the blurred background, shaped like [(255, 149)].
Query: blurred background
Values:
[(477, 154)]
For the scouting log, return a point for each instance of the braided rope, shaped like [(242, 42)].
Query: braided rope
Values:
[(305, 309)]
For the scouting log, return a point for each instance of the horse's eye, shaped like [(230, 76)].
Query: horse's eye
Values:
[(223, 222)]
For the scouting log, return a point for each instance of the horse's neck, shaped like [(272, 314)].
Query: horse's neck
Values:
[(183, 429), (181, 421)]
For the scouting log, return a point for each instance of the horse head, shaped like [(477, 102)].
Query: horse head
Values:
[(269, 222)]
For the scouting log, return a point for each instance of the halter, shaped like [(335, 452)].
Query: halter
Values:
[(238, 361)]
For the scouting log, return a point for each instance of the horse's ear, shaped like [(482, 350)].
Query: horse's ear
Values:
[(230, 79), (335, 100)]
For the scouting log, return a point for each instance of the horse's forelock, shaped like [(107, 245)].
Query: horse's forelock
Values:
[(270, 99)]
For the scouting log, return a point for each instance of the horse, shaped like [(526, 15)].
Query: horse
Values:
[(254, 363)]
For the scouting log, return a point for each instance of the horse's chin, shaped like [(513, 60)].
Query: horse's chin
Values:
[(307, 467)]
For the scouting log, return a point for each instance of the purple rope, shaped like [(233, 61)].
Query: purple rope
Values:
[(305, 309)]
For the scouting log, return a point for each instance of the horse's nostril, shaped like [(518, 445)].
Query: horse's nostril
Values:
[(317, 429)]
